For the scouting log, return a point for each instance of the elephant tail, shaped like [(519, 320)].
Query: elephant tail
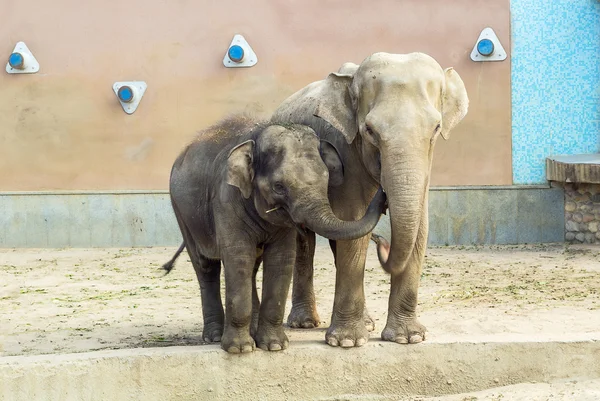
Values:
[(169, 265)]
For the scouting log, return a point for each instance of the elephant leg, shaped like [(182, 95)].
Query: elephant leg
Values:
[(304, 308), (402, 325), (369, 322), (347, 328), (277, 274), (255, 298), (208, 273), (238, 262)]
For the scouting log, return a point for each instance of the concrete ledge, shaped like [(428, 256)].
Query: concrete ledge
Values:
[(305, 371), (166, 192), (458, 216)]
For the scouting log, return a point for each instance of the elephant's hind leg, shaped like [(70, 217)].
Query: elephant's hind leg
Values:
[(208, 273)]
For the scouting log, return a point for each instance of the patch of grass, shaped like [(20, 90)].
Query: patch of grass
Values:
[(82, 329), (29, 290)]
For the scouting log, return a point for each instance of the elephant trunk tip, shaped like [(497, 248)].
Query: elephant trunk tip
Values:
[(383, 253)]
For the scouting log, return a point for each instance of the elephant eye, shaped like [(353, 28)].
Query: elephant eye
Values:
[(437, 128), (369, 130), (279, 188)]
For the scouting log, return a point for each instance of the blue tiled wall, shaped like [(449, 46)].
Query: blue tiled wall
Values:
[(555, 82)]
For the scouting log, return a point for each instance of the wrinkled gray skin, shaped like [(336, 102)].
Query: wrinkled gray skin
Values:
[(241, 192), (383, 117)]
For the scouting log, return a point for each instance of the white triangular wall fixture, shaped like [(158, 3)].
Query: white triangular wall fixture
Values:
[(131, 95), (23, 61), (488, 41), (239, 54)]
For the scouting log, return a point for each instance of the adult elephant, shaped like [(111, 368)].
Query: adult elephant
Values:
[(383, 117)]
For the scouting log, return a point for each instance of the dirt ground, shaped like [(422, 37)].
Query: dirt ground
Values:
[(75, 300)]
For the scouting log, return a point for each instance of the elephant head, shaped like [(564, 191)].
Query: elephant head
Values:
[(395, 107), (287, 171)]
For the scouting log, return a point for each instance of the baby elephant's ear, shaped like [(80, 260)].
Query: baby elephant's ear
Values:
[(333, 161), (240, 172)]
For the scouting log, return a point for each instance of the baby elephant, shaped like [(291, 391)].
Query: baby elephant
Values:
[(241, 193)]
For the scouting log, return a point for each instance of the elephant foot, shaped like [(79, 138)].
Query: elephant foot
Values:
[(237, 340), (212, 332), (404, 332), (271, 338), (347, 336), (369, 322), (303, 317)]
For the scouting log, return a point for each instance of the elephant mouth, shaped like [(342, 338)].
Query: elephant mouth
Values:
[(301, 228), (283, 212)]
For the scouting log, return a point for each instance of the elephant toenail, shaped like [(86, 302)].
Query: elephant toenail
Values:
[(233, 350), (360, 342), (332, 341), (401, 340), (347, 343), (275, 347), (416, 339)]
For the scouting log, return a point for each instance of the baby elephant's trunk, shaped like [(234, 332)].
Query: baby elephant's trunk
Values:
[(324, 222), (169, 265)]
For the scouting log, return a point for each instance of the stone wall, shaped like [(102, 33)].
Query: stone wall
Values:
[(582, 213)]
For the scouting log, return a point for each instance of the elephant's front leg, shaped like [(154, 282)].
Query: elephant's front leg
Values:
[(304, 308), (347, 328), (402, 325), (277, 273), (238, 262)]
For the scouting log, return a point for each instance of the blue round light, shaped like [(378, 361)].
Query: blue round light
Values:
[(236, 53), (125, 94), (16, 60), (485, 47)]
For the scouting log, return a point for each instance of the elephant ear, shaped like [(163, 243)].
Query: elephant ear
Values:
[(337, 105), (240, 172), (333, 161), (348, 68), (455, 101)]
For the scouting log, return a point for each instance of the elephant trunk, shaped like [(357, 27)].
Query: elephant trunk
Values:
[(321, 219), (404, 179)]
